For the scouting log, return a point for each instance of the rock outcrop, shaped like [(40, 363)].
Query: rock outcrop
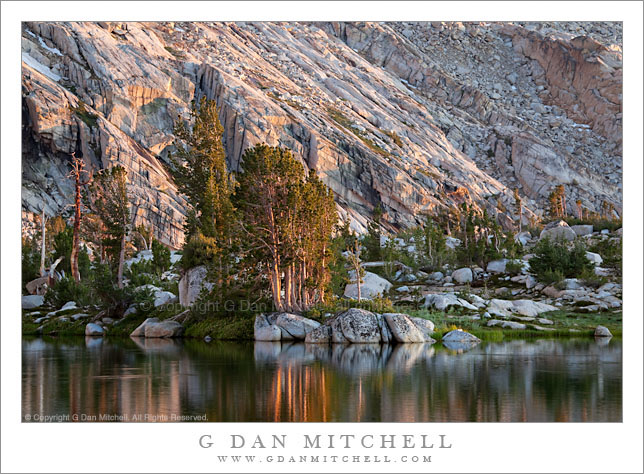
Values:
[(358, 326)]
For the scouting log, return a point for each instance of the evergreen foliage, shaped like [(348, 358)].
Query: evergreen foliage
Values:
[(287, 219), (557, 257)]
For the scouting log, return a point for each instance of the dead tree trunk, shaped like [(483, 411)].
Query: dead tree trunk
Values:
[(42, 245)]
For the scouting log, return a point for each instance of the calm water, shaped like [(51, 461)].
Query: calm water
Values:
[(545, 380)]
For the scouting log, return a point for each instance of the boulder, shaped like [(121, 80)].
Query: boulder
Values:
[(582, 230), (165, 328), (32, 301), (78, 316), (296, 326), (385, 333), (558, 230), (140, 330), (458, 335), (404, 329), (443, 301), (462, 275), (436, 276), (191, 284), (424, 325), (372, 286), (93, 329), (523, 238), (506, 324), (530, 282), (268, 333), (497, 266), (38, 286), (594, 258), (320, 335), (602, 331), (360, 326), (163, 297), (403, 289), (500, 308), (68, 305), (130, 310), (336, 332), (530, 308)]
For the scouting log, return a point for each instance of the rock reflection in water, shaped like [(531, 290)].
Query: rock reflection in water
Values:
[(544, 380)]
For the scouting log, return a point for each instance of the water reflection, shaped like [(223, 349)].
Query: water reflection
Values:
[(546, 380)]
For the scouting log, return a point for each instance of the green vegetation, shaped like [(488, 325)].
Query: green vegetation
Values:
[(339, 118), (176, 53), (564, 322), (554, 259), (85, 115)]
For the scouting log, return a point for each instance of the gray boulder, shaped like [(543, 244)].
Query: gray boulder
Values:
[(443, 301), (582, 230), (165, 328), (506, 324), (68, 305), (32, 301), (404, 329), (360, 326), (296, 326), (558, 230), (458, 335), (163, 297), (530, 308), (94, 330), (140, 330), (594, 257), (320, 335), (372, 286), (268, 333), (497, 266), (462, 275), (602, 331)]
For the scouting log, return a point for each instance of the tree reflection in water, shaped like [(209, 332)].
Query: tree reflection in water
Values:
[(544, 380)]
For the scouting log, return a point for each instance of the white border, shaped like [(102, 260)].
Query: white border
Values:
[(482, 447)]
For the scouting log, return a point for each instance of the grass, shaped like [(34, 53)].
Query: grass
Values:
[(85, 115), (563, 321), (176, 53)]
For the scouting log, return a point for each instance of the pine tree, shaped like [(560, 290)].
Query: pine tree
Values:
[(201, 175), (109, 201), (287, 219)]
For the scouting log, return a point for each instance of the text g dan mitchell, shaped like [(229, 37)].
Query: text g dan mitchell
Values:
[(328, 441)]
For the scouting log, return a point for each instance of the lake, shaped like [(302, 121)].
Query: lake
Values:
[(91, 379)]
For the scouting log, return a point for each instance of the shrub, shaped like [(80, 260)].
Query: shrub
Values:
[(591, 279), (513, 267), (199, 250), (551, 277), (66, 289), (551, 257), (30, 261), (63, 242)]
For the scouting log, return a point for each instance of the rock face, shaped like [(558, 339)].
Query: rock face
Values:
[(406, 116), (372, 286), (32, 301), (558, 230), (191, 284), (358, 326)]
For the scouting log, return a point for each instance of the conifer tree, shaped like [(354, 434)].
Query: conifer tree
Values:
[(109, 201), (201, 175), (287, 220), (519, 204)]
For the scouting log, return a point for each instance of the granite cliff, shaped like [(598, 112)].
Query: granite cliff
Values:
[(408, 116)]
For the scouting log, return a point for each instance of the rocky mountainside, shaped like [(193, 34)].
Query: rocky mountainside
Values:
[(408, 116)]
